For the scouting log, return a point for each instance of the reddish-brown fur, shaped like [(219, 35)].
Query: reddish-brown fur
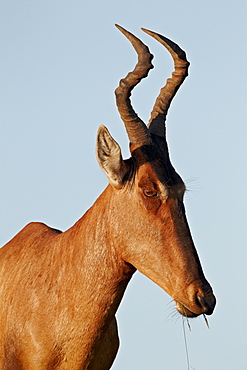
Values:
[(59, 292)]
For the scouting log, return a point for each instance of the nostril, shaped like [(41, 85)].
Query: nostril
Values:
[(207, 304), (201, 301)]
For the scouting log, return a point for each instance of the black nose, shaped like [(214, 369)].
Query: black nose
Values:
[(207, 303)]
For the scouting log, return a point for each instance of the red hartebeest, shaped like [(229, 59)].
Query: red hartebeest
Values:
[(59, 291)]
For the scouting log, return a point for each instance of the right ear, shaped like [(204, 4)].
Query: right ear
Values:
[(109, 157)]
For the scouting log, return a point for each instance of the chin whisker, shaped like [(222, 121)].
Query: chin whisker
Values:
[(206, 321), (173, 314)]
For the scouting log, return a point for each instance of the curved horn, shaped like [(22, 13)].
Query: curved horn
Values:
[(137, 130), (158, 116)]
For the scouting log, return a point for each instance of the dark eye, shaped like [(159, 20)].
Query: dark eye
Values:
[(150, 193)]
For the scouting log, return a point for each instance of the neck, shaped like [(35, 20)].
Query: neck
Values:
[(101, 275)]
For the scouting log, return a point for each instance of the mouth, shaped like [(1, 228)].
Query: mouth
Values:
[(184, 311), (201, 305)]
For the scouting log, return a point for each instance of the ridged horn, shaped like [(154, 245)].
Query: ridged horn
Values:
[(158, 116), (137, 130)]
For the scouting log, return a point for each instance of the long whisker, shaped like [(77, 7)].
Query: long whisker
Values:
[(186, 344)]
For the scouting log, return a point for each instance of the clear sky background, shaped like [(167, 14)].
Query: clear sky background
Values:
[(60, 63)]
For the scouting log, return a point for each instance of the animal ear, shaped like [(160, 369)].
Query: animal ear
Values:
[(110, 158)]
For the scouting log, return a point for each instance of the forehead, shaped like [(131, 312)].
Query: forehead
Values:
[(155, 166)]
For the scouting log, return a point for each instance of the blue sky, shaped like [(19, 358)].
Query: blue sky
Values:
[(60, 63)]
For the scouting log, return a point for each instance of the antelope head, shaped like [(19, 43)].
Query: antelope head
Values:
[(148, 226)]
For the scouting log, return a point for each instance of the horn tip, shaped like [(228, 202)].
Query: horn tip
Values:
[(147, 31), (121, 29), (171, 46)]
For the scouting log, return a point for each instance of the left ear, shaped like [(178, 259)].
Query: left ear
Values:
[(109, 157)]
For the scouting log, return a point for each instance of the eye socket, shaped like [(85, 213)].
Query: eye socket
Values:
[(150, 193)]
